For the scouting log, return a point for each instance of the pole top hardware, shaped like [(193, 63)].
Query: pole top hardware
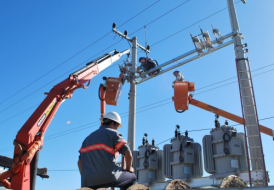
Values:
[(145, 49), (205, 42)]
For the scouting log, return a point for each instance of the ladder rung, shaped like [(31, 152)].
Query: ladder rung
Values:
[(249, 115), (251, 125), (246, 87), (246, 96), (248, 105), (243, 71), (254, 147), (252, 136), (255, 158)]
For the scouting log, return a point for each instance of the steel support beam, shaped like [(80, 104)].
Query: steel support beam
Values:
[(185, 61)]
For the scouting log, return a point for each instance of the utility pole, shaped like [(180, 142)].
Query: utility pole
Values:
[(254, 144), (132, 97), (132, 79)]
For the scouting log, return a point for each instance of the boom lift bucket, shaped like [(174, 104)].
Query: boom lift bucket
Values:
[(181, 95), (113, 90)]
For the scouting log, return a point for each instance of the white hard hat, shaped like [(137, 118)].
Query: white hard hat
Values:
[(114, 116)]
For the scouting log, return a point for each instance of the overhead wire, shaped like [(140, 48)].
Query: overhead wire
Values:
[(117, 43), (66, 132), (10, 96), (92, 56), (164, 142), (159, 17), (179, 30), (154, 44), (169, 98), (144, 106)]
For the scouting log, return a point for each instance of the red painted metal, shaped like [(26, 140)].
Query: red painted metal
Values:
[(102, 103), (30, 137)]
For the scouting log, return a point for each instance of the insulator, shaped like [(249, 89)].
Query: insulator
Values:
[(226, 122), (186, 134), (217, 123), (143, 141), (179, 133), (114, 25), (176, 133), (153, 142)]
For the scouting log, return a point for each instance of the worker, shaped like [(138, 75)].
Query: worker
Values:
[(147, 64), (97, 161), (178, 75)]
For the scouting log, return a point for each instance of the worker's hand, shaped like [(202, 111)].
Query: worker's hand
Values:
[(131, 170)]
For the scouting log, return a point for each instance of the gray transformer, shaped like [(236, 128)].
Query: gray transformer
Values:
[(183, 158), (148, 163), (224, 152)]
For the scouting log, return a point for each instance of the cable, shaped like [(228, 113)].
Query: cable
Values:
[(159, 17), (78, 52), (88, 59), (19, 113), (50, 82), (121, 40), (139, 13), (53, 136), (169, 98)]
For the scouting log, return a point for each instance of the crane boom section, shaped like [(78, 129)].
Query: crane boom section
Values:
[(40, 119), (182, 99), (228, 115)]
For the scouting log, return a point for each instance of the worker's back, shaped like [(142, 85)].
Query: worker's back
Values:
[(98, 157)]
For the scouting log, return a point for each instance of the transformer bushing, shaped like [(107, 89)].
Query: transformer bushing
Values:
[(224, 152)]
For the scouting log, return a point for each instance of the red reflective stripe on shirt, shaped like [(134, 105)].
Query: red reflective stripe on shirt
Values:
[(120, 144), (96, 147)]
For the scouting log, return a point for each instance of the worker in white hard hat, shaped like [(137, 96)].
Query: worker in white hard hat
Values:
[(97, 161), (178, 75)]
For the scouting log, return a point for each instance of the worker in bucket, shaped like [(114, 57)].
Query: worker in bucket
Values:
[(97, 161), (178, 75)]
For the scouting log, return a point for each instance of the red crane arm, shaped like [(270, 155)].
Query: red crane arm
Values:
[(30, 137)]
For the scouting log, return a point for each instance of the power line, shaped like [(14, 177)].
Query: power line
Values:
[(89, 58), (169, 98), (78, 52), (139, 13), (159, 17), (63, 133), (121, 40)]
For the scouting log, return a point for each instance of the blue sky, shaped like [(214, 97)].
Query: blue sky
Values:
[(41, 43)]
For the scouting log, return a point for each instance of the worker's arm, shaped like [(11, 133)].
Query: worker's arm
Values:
[(79, 165), (129, 158)]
